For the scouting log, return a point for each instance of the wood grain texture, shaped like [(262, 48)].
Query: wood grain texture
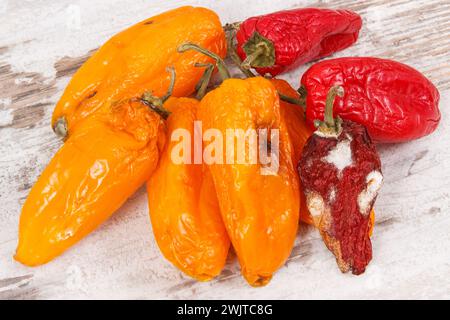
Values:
[(121, 260)]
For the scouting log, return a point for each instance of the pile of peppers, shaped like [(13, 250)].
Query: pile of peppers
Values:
[(120, 112)]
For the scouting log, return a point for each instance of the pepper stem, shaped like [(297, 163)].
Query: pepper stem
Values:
[(232, 26), (260, 52), (220, 64), (60, 127), (233, 54), (250, 59), (331, 125), (249, 74), (299, 102), (173, 76), (155, 103), (202, 85)]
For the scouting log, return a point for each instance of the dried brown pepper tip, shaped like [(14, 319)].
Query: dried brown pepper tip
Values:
[(340, 170)]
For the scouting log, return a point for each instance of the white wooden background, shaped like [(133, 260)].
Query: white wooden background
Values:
[(41, 45)]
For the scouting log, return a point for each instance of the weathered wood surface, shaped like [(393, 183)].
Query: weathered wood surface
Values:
[(41, 45)]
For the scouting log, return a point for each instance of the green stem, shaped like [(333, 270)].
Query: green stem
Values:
[(202, 79), (328, 118), (250, 59), (60, 127), (159, 109), (237, 61), (202, 85), (299, 102), (231, 26), (169, 92), (155, 103), (221, 67), (331, 126), (234, 56), (260, 52)]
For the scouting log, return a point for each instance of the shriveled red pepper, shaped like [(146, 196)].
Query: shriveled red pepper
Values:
[(283, 40), (341, 175), (393, 101)]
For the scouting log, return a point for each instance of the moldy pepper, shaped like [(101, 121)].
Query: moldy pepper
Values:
[(299, 133), (280, 41), (395, 102), (340, 171)]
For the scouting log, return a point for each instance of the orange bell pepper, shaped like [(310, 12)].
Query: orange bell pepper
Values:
[(183, 204), (134, 61)]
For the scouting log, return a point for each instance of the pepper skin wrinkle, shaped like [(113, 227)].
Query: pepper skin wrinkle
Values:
[(344, 228), (260, 212), (300, 36), (395, 102), (135, 60), (99, 166), (183, 204)]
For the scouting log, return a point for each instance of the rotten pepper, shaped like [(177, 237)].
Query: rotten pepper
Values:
[(340, 171)]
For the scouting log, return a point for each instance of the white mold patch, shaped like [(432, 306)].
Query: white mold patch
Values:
[(365, 198), (315, 203), (341, 155), (332, 195)]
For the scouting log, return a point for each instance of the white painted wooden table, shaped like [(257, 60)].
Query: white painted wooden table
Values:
[(41, 45)]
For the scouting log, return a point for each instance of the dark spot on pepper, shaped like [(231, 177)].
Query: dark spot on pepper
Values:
[(91, 95), (148, 22)]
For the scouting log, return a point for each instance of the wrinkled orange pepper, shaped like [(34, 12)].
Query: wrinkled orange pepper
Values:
[(134, 61), (183, 204), (260, 211), (299, 132), (99, 166)]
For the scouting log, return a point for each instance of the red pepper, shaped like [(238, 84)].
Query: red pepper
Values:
[(341, 174), (283, 40), (394, 101)]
